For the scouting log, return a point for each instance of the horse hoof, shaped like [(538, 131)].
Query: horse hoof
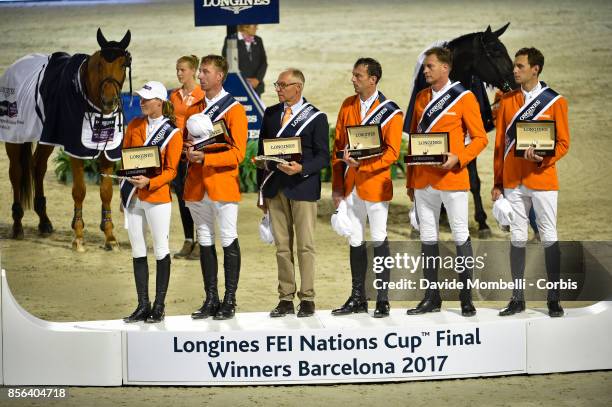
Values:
[(78, 246), (45, 229), (111, 246), (17, 232), (484, 233)]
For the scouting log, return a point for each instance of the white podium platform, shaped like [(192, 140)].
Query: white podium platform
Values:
[(253, 348)]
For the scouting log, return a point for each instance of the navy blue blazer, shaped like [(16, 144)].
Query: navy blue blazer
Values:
[(315, 156)]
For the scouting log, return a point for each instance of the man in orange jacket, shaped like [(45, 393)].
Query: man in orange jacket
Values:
[(212, 191), (445, 107), (530, 180), (365, 184)]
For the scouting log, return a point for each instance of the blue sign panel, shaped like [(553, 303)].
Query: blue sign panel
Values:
[(235, 84), (235, 12)]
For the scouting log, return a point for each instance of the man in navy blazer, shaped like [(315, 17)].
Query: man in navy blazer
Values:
[(289, 192)]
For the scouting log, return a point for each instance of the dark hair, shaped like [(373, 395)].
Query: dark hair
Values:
[(372, 65), (444, 55), (534, 57), (218, 61)]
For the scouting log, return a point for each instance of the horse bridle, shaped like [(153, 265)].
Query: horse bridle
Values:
[(506, 85)]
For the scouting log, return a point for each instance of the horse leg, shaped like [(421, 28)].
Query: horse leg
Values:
[(41, 157), (106, 195), (78, 195), (20, 176), (479, 213)]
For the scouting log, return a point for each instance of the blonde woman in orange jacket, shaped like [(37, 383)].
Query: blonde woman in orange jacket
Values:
[(186, 100), (147, 200)]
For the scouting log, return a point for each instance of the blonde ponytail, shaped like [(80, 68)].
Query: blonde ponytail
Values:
[(168, 111)]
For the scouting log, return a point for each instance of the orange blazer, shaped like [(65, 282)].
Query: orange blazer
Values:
[(183, 110), (514, 171), (158, 190), (219, 175), (461, 117), (373, 176)]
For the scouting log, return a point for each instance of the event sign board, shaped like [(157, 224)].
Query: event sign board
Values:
[(235, 12)]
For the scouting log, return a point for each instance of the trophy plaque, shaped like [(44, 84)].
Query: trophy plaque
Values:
[(281, 150), (140, 161), (364, 141), (537, 133), (219, 140), (427, 149)]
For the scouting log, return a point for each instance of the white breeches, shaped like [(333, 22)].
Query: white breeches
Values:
[(544, 204), (360, 211), (207, 212), (139, 214), (428, 202)]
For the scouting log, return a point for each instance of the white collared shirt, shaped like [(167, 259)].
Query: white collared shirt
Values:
[(531, 94), (294, 108), (247, 44), (218, 97), (435, 94), (153, 124), (366, 104)]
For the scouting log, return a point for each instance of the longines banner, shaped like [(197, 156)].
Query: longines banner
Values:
[(318, 355), (234, 12)]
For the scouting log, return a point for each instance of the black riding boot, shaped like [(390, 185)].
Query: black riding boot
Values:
[(141, 276), (208, 263), (231, 267), (465, 296), (357, 302), (382, 296), (552, 258), (432, 301), (517, 269), (161, 287)]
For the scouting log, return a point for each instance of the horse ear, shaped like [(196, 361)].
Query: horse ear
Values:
[(125, 41), (101, 40), (502, 30)]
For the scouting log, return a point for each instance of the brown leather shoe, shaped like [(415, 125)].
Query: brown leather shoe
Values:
[(195, 253), (185, 250), (306, 309), (283, 308)]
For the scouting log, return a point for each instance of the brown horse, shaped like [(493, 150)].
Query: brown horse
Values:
[(100, 79)]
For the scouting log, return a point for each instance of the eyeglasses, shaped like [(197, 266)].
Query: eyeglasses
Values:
[(282, 85)]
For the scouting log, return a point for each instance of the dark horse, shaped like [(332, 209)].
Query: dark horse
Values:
[(478, 57), (93, 87)]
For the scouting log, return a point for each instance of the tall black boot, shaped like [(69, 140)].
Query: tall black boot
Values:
[(432, 301), (161, 287), (517, 269), (141, 276), (382, 296), (208, 263), (552, 258), (465, 296), (231, 267), (357, 302)]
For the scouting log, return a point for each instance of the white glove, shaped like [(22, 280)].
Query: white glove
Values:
[(265, 230), (340, 221), (502, 211)]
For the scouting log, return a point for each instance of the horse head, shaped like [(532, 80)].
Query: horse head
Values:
[(105, 72), (482, 54)]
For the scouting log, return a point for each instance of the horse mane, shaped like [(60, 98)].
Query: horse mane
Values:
[(453, 42)]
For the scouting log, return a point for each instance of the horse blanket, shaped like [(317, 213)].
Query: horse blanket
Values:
[(50, 106)]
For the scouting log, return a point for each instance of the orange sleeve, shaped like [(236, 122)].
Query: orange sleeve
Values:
[(562, 129), (473, 123), (500, 145), (392, 138), (171, 160), (339, 144), (127, 138), (238, 127)]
